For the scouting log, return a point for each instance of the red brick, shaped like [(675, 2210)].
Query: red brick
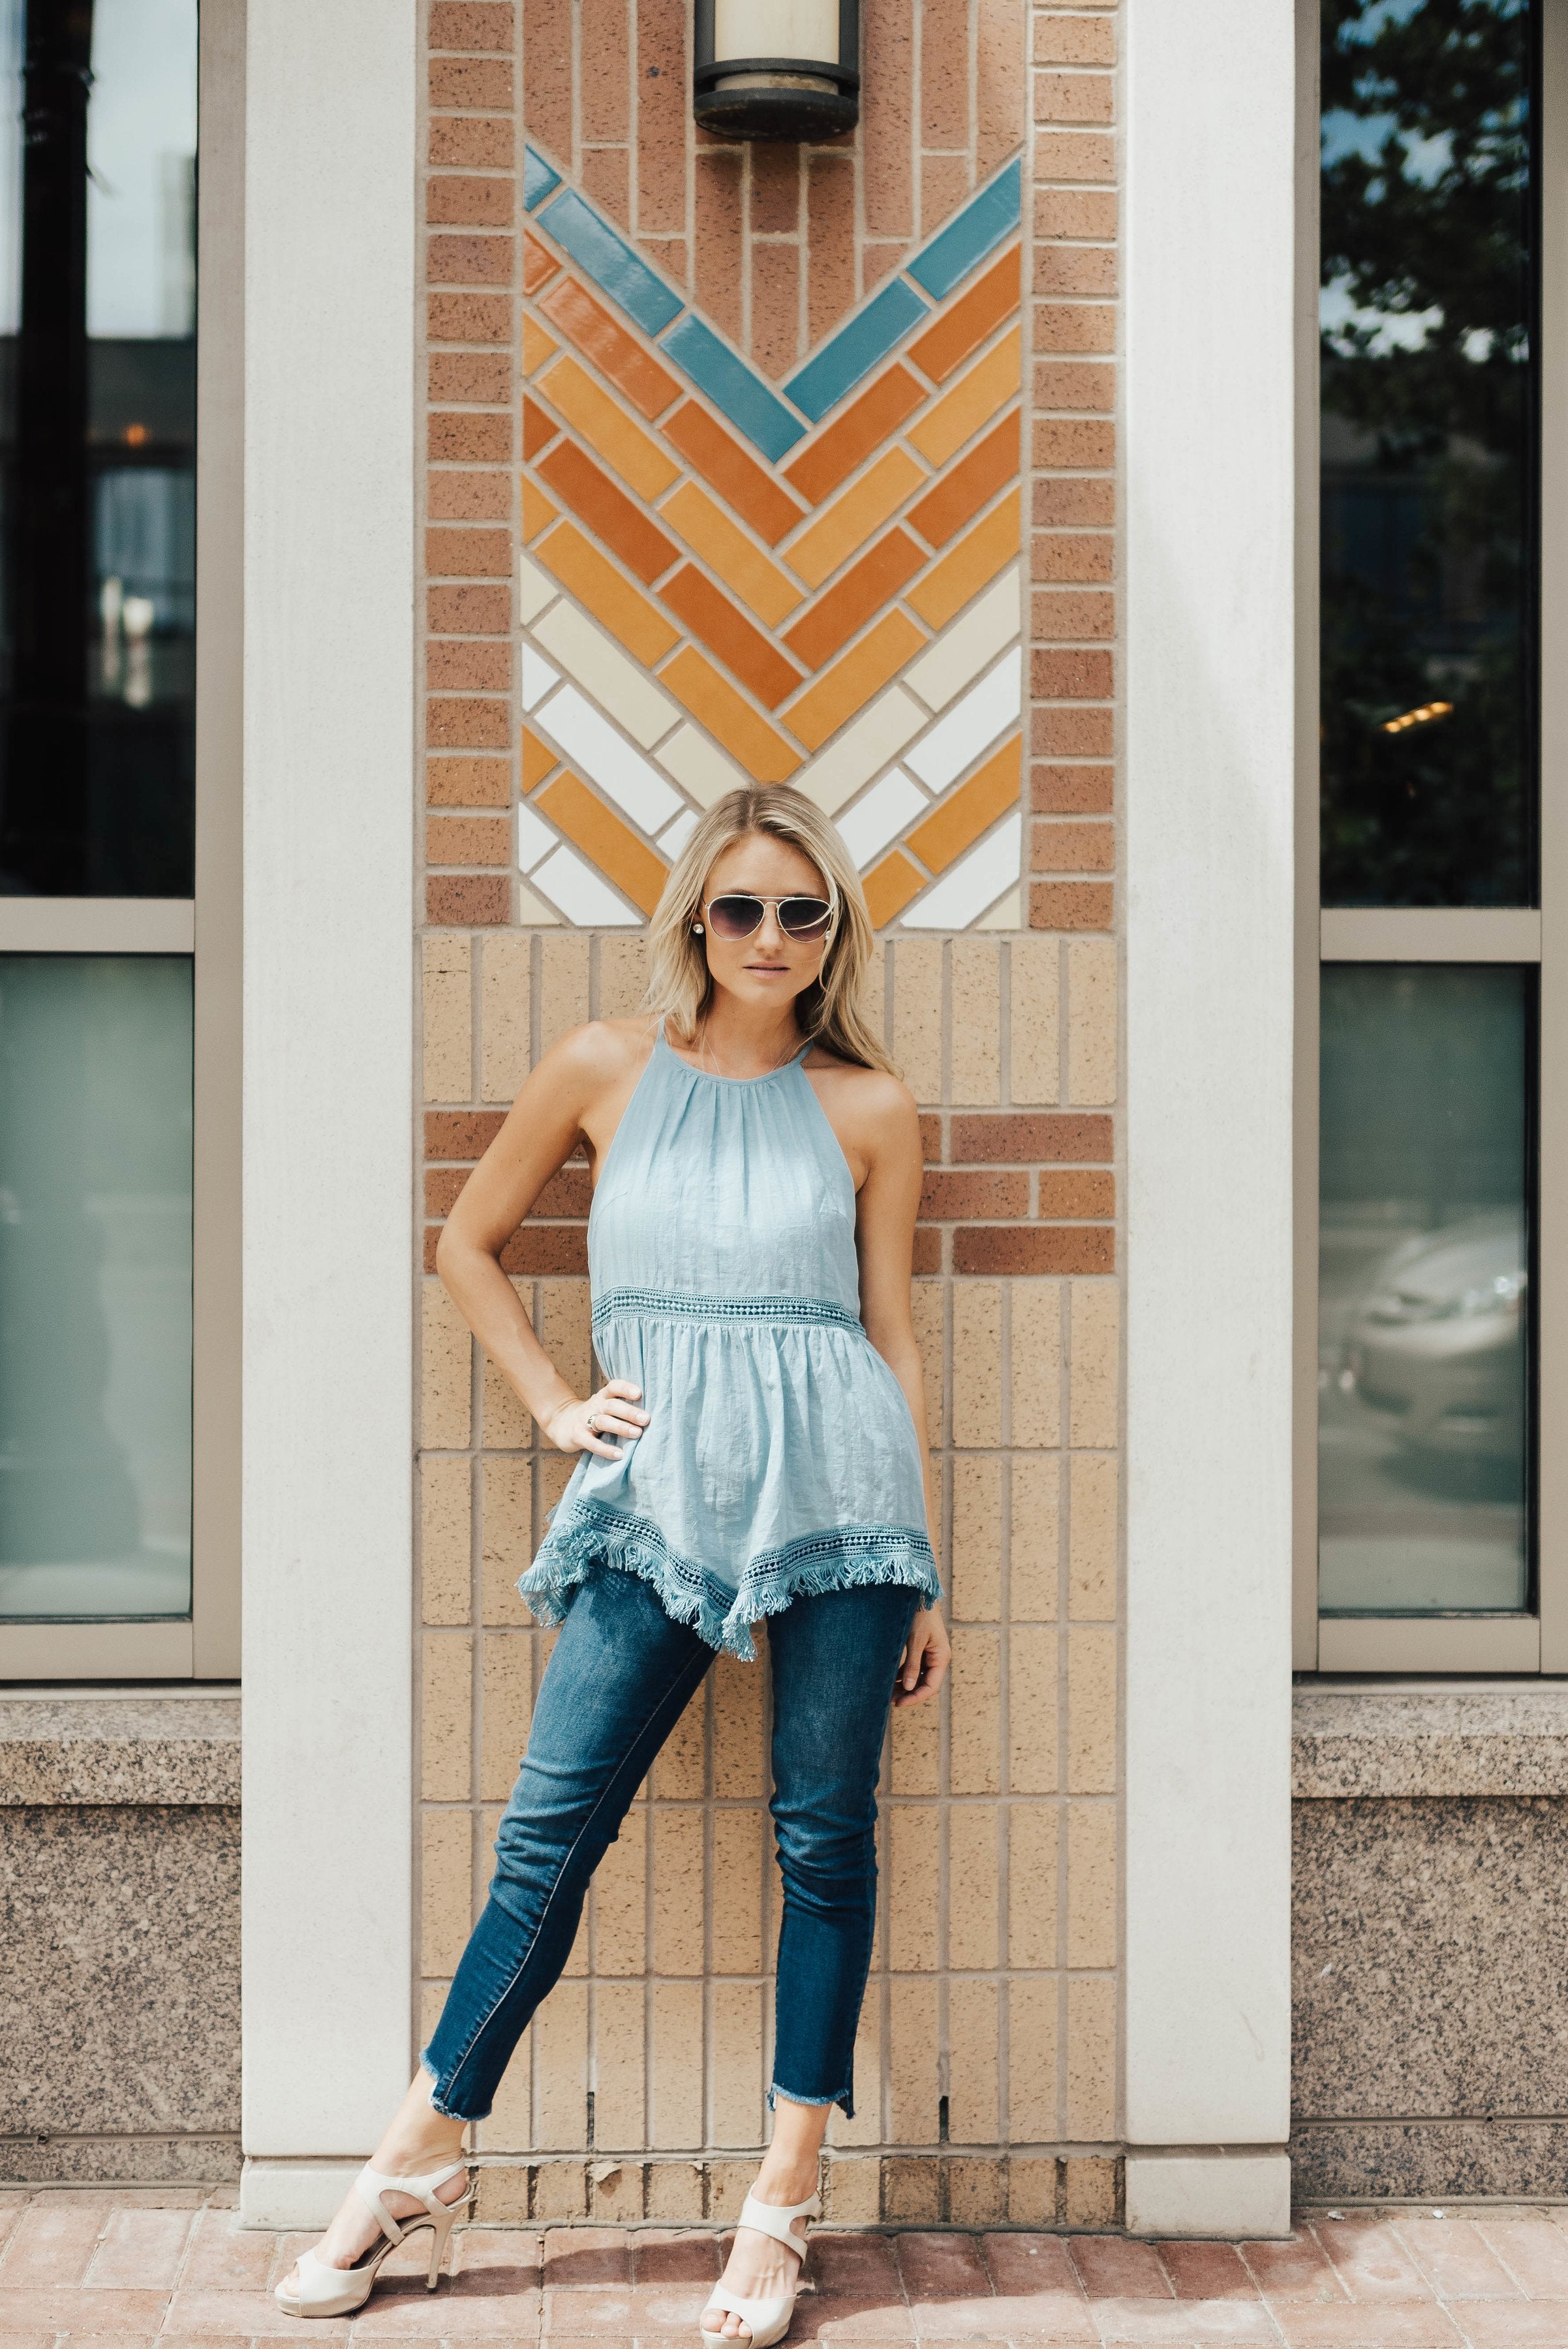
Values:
[(606, 181), (1055, 732), (464, 437), (1071, 556), (464, 1133), (1075, 155), (463, 667), (605, 94), (775, 307), (1075, 213), (1081, 383), (443, 1185), (776, 189), (1074, 41), (473, 144), (468, 782), (718, 255), (1072, 791), (830, 213), (946, 1196), (546, 1248), (453, 203), (468, 553), (469, 611), (887, 60), (1031, 1137), (547, 48), (1075, 501), (1071, 676), (470, 85), (468, 840), (569, 1193), (928, 1256), (471, 24), (661, 119), (469, 497), (477, 900), (999, 81), (1090, 1193), (476, 376), (469, 317), (1074, 326), (1074, 269), (1074, 98), (469, 725), (1057, 616), (1070, 905), (1066, 445), (470, 260), (1058, 1247), (1074, 848), (931, 1138), (944, 184), (944, 74)]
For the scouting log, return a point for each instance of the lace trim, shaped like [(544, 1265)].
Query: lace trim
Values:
[(670, 1304), (842, 1558)]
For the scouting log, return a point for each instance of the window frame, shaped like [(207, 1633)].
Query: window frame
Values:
[(206, 1646)]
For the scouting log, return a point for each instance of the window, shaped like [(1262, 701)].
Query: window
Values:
[(1428, 1537), (119, 772)]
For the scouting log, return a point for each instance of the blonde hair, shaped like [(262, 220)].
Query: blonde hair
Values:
[(830, 1010)]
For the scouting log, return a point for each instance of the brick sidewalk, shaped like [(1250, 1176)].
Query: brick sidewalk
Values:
[(116, 2270)]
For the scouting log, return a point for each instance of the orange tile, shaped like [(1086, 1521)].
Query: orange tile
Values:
[(824, 463), (865, 587), (948, 831), (963, 328), (890, 887), (613, 516), (709, 615), (537, 510), (757, 496), (949, 584), (958, 416), (538, 346), (605, 841), (822, 709), (848, 523), (538, 429), (709, 532), (586, 322), (606, 426), (766, 757), (538, 266), (966, 486), (537, 759), (595, 581)]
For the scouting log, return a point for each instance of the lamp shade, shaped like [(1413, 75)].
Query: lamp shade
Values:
[(776, 68)]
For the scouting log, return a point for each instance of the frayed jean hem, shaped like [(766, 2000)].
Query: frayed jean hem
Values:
[(845, 2099), (446, 2110)]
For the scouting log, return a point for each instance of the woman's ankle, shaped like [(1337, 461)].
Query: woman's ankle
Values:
[(783, 2182)]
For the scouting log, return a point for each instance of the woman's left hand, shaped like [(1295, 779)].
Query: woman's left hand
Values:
[(926, 1659)]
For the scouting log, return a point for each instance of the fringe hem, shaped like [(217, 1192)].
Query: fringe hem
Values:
[(843, 1559)]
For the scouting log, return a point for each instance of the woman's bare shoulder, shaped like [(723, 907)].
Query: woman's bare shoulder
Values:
[(874, 1095), (600, 1052)]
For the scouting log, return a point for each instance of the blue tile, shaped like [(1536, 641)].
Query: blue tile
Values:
[(993, 214), (732, 386), (855, 349), (537, 179), (640, 292)]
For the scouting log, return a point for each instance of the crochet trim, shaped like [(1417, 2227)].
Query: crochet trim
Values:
[(676, 1305), (842, 1558)]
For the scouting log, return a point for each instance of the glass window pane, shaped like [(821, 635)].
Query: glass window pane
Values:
[(1424, 1327), (1429, 386), (98, 430), (95, 1286)]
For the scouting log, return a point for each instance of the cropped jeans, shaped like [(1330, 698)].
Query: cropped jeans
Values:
[(618, 1679)]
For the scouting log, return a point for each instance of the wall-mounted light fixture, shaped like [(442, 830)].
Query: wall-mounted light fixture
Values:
[(777, 69)]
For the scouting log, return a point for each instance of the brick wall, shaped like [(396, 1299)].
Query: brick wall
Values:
[(988, 2069)]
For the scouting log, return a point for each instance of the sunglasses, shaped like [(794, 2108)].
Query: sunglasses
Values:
[(737, 915)]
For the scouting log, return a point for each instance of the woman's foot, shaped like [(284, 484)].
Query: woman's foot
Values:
[(419, 2141), (758, 2267)]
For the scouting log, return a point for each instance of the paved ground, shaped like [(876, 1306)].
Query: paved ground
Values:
[(118, 2270)]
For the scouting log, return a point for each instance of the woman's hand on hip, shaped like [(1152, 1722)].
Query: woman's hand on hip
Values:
[(926, 1659), (594, 1426)]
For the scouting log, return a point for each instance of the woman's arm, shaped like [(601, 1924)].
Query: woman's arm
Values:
[(570, 1091)]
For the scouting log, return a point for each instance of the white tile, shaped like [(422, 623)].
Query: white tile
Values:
[(583, 896), (975, 882), (877, 735), (535, 838), (535, 590), (674, 837), (957, 740), (699, 765), (538, 677), (887, 808), (968, 645), (532, 910), (1007, 914), (617, 684), (589, 739)]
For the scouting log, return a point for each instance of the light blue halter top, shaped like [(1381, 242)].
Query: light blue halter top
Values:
[(780, 1455)]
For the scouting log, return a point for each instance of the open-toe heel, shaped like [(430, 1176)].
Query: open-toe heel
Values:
[(766, 2320), (321, 2290)]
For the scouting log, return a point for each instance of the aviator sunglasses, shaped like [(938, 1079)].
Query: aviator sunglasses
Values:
[(738, 914)]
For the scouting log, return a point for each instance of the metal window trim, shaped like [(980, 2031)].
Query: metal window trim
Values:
[(1431, 934)]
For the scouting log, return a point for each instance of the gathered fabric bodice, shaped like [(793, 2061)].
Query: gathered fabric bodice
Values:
[(780, 1456)]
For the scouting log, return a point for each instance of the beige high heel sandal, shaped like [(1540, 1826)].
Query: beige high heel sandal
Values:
[(767, 2320), (322, 2290)]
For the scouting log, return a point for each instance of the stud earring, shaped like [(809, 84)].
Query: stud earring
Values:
[(696, 929)]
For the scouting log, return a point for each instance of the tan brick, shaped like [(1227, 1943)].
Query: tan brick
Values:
[(1095, 1365), (565, 1330), (913, 1906), (1033, 1569), (615, 2192), (680, 1774), (737, 2025), (1091, 1712), (576, 1964), (560, 2190), (507, 1671), (679, 1902), (561, 2066), (740, 1730), (674, 2191), (977, 2189), (563, 987), (445, 1414), (620, 1904), (507, 1424), (445, 1538), (853, 2196), (1092, 2196), (677, 2071), (915, 1766), (1035, 1364), (1091, 1021), (918, 1016), (623, 975), (1032, 1709), (972, 2041), (1074, 40), (506, 1536), (976, 1052), (911, 2188), (926, 1306), (506, 1015), (737, 1928), (447, 1002), (510, 2128), (446, 1896), (729, 2183), (976, 1579), (1074, 98), (1033, 2188), (1091, 2066), (865, 2127), (972, 1890), (913, 2081), (502, 2191), (974, 1729), (1031, 2060), (1031, 1867), (1035, 1021), (446, 1716), (1071, 155), (977, 1363), (618, 2119), (1091, 1884), (1092, 1537)]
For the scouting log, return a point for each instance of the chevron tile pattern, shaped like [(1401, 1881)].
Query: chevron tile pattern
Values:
[(724, 584)]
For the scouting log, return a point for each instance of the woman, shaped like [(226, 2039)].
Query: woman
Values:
[(759, 1449)]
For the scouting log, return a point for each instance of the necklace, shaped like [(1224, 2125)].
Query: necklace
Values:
[(703, 1046)]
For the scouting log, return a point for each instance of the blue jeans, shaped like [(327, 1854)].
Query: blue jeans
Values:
[(618, 1681)]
